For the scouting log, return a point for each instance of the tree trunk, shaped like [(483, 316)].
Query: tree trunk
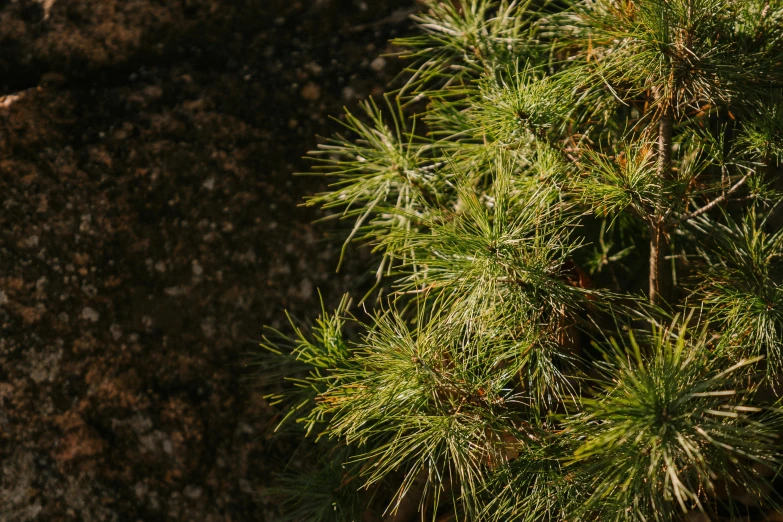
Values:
[(665, 125), (660, 273)]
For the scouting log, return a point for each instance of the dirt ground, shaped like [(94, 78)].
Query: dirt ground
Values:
[(149, 228)]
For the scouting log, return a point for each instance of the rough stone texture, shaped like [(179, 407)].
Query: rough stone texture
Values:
[(148, 229)]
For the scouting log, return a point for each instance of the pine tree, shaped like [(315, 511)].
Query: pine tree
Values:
[(575, 211)]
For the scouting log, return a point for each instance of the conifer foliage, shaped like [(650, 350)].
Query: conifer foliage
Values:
[(575, 208)]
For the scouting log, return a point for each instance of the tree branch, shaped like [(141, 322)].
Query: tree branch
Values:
[(716, 201), (660, 281)]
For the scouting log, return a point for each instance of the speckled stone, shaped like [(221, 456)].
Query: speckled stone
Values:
[(146, 155)]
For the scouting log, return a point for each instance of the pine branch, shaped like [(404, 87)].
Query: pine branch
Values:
[(502, 382), (717, 201), (660, 287)]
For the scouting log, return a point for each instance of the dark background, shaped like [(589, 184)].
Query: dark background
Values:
[(149, 228)]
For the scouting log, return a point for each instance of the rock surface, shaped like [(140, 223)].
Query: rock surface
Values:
[(149, 227)]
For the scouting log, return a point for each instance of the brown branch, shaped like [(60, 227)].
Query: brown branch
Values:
[(665, 125), (717, 201), (660, 275)]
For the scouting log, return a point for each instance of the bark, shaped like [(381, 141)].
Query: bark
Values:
[(660, 272), (665, 125)]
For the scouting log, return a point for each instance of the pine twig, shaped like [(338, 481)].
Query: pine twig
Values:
[(717, 201)]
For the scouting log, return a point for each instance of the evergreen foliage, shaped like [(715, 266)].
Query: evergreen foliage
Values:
[(576, 210)]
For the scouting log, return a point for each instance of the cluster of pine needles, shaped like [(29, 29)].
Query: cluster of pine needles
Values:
[(577, 308)]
